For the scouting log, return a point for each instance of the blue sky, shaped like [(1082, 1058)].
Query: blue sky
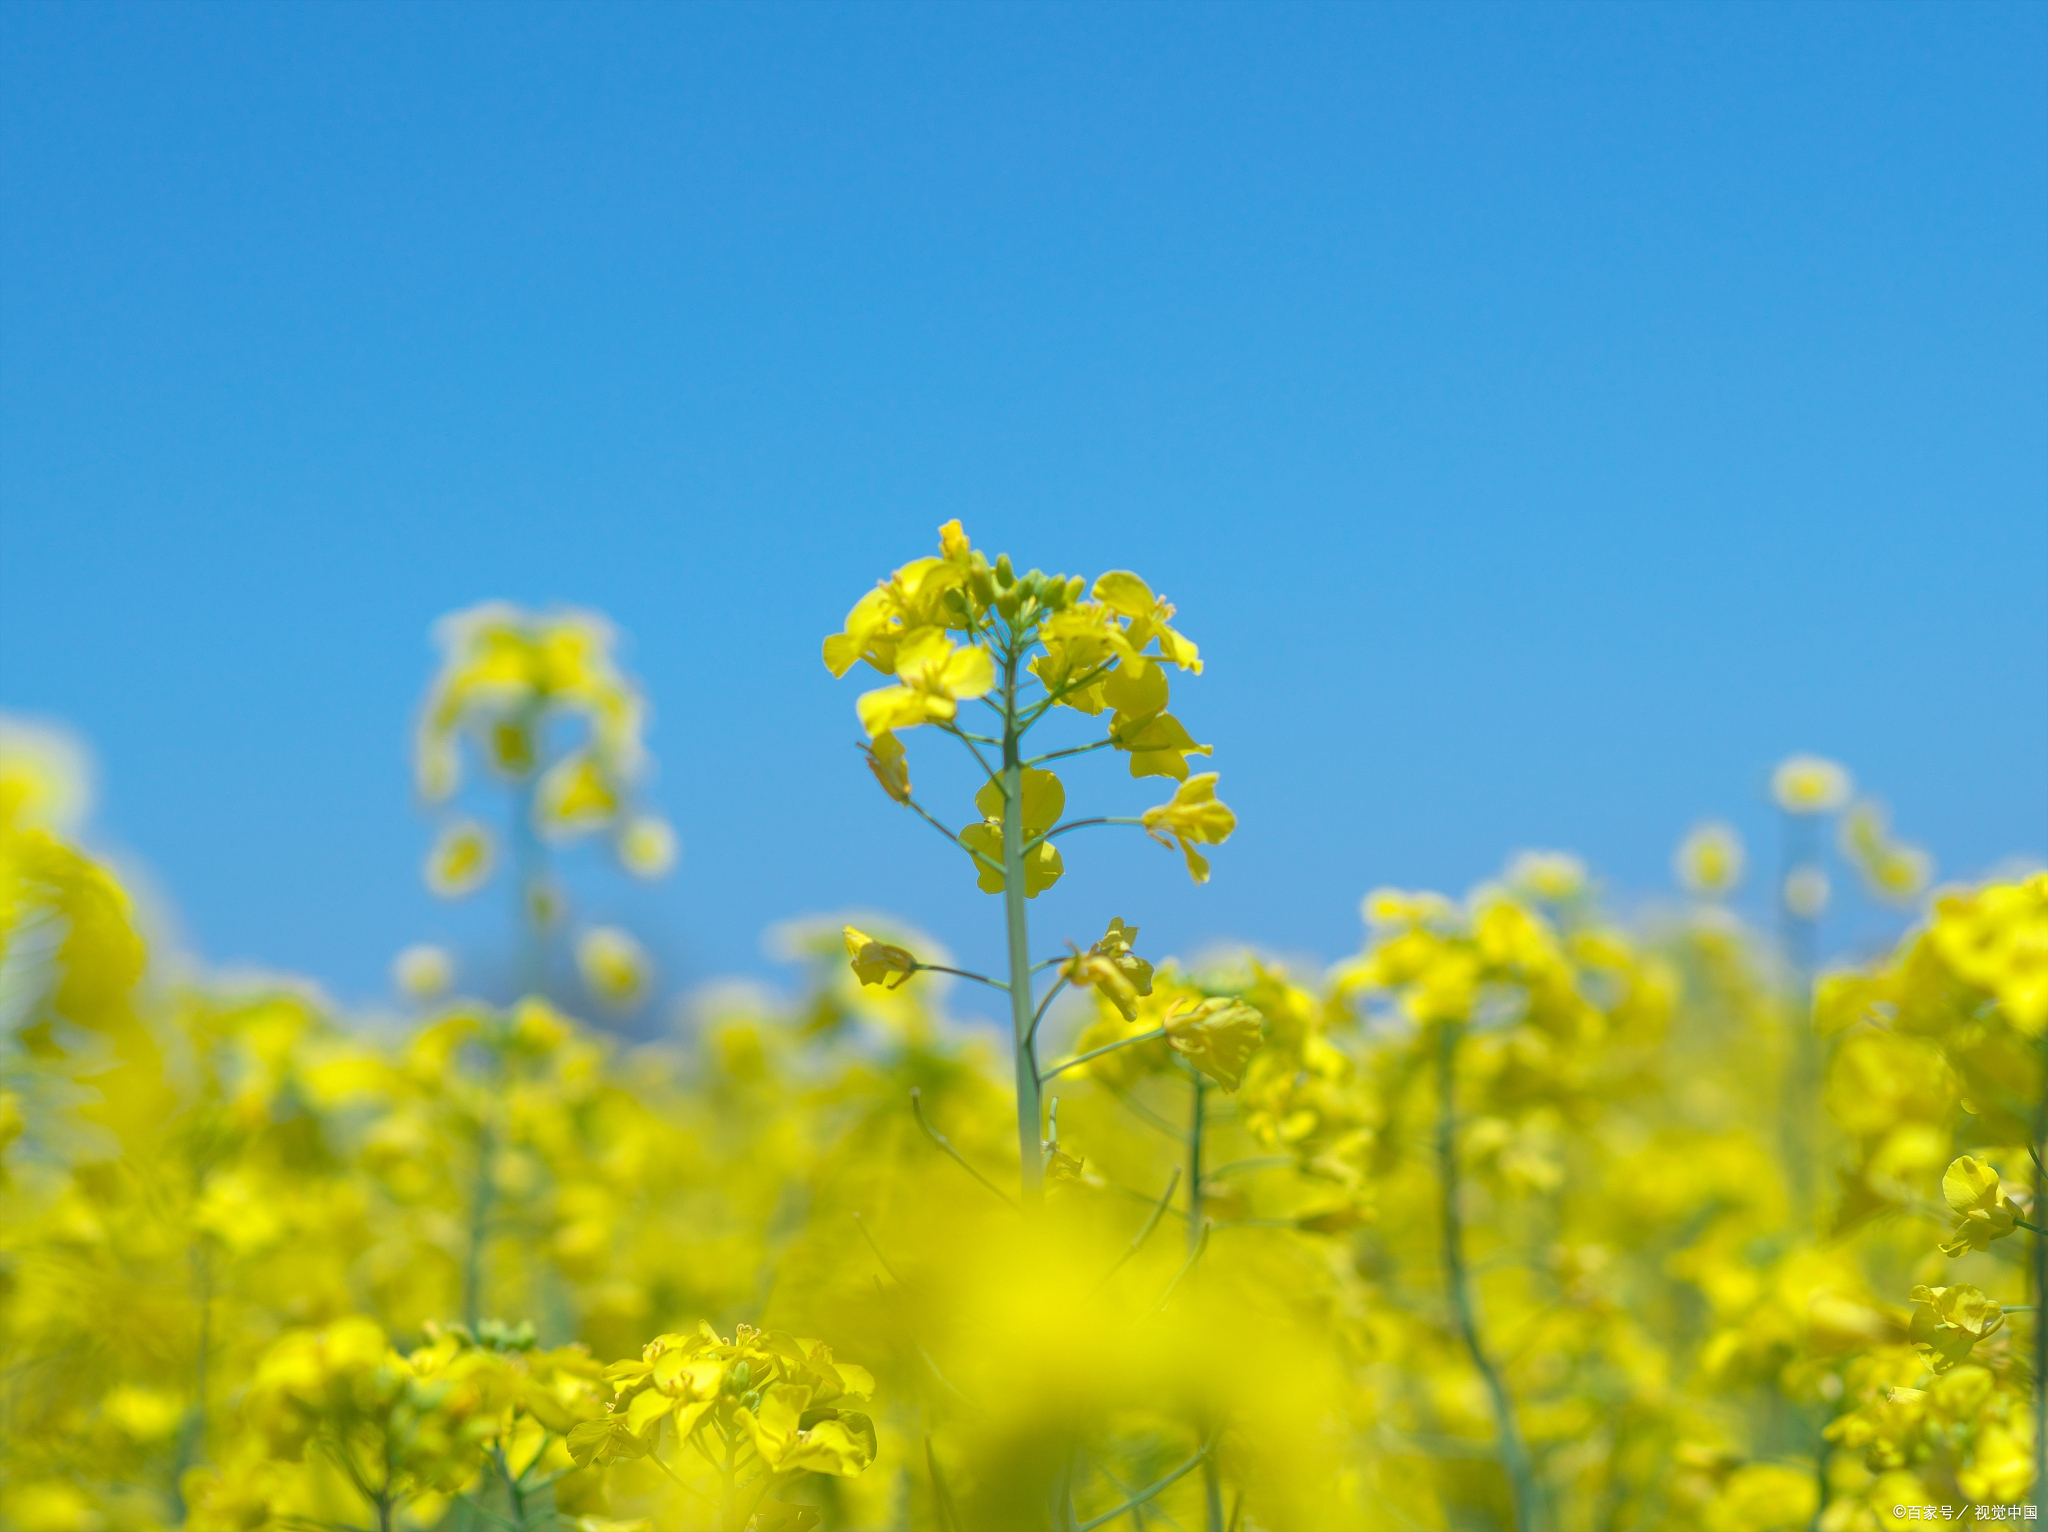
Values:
[(1545, 418)]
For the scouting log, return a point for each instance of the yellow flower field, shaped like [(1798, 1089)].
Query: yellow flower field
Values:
[(1521, 1217)]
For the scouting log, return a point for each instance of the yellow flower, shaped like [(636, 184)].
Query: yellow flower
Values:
[(945, 592), (1893, 870), (1765, 1497), (575, 795), (1195, 815), (1130, 597), (1949, 1321), (505, 672), (887, 760), (1709, 860), (143, 1414), (45, 777), (1121, 974), (460, 859), (792, 1437), (878, 962), (1159, 746), (1045, 798), (423, 971), (1218, 1036), (1976, 1196), (648, 846), (1809, 784), (1555, 876), (1807, 892), (1081, 647), (935, 675), (615, 968), (1997, 940)]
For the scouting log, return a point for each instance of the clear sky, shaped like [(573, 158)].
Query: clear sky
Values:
[(1545, 418)]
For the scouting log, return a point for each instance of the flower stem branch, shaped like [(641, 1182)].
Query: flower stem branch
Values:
[(1096, 1053), (1149, 1492), (961, 973), (1514, 1456), (1078, 824), (972, 749), (925, 814), (1201, 1245), (946, 1145), (861, 1224), (1054, 755), (2038, 1270), (1145, 1231), (1030, 1147), (1038, 1015)]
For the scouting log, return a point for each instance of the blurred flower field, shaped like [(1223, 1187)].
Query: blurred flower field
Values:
[(1524, 1216)]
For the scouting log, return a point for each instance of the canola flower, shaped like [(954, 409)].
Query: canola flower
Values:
[(959, 628), (538, 699), (1490, 1226)]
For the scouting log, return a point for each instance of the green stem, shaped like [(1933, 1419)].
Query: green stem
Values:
[(1514, 1456), (2039, 1265), (959, 973), (1799, 850), (479, 1224), (529, 876), (1030, 1151), (1094, 1053), (515, 1494), (192, 1435), (946, 1145), (1212, 1482), (1149, 1492)]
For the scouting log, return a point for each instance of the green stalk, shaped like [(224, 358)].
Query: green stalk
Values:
[(1030, 1149), (1212, 1479), (479, 1224), (1799, 849), (2039, 1266), (192, 1432), (528, 873), (1514, 1455)]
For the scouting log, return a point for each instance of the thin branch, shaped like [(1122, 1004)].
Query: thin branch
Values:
[(1194, 1255), (490, 1516), (1054, 755), (1257, 1162), (925, 814), (968, 740), (1079, 824), (1145, 1233), (1095, 1053), (946, 1144), (861, 1224), (1144, 1113), (1054, 695), (1039, 1015), (942, 1497), (961, 973), (689, 1489), (1149, 1491)]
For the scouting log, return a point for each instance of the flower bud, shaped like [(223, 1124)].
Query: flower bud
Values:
[(1005, 575)]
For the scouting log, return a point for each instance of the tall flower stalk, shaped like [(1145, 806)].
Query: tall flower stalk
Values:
[(959, 629)]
